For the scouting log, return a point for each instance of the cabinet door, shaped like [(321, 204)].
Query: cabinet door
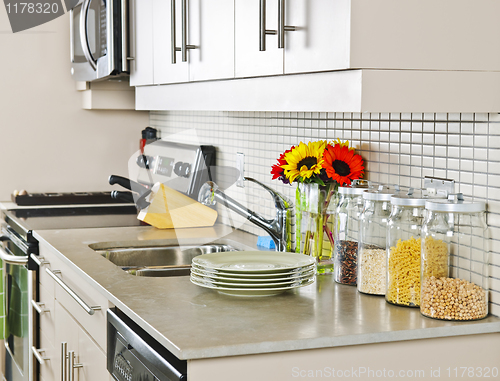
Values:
[(164, 70), (321, 39), (141, 27), (87, 352), (211, 31), (249, 60)]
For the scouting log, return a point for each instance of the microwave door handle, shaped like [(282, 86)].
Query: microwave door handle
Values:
[(71, 37), (13, 259), (125, 42), (84, 35)]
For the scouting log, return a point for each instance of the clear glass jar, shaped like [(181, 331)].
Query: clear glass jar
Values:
[(454, 265), (373, 241), (346, 234), (403, 249)]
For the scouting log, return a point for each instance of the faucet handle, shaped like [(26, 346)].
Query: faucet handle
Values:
[(206, 194)]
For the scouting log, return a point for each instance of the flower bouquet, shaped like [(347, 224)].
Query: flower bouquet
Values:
[(318, 168)]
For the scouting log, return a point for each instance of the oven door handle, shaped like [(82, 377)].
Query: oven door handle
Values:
[(84, 35), (13, 259)]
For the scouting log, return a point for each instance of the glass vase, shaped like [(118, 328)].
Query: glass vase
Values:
[(314, 223)]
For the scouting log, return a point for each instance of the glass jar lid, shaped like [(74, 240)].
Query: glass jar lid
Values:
[(357, 187), (382, 193), (410, 198), (455, 203), (350, 190)]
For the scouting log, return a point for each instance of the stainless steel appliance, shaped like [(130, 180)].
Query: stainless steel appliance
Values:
[(99, 39), (132, 354)]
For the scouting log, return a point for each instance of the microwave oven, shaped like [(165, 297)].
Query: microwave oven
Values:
[(99, 31)]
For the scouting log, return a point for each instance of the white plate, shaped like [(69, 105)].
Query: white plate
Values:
[(221, 277), (214, 282), (289, 274), (250, 291), (253, 261)]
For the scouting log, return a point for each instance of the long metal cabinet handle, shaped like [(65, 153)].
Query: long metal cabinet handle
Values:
[(12, 259), (83, 34), (262, 26), (173, 46), (184, 45), (125, 57), (90, 310), (39, 307), (282, 28), (64, 357), (37, 353), (72, 365)]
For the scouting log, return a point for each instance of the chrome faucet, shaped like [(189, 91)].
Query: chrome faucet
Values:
[(281, 228)]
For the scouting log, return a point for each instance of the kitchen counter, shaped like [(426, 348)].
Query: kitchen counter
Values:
[(196, 323)]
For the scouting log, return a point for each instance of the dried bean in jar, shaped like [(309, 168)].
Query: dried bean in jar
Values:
[(346, 262)]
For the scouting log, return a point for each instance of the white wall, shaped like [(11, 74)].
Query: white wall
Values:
[(47, 142)]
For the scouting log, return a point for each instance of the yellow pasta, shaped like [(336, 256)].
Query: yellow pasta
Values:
[(435, 253), (403, 285)]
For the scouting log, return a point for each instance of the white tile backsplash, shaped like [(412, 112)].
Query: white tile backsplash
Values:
[(397, 147)]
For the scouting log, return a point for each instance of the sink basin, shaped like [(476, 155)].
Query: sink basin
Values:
[(161, 261)]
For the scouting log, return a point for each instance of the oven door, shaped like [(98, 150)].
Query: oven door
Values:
[(18, 333), (99, 39)]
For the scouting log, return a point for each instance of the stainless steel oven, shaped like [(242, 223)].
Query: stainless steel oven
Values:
[(99, 39), (19, 285)]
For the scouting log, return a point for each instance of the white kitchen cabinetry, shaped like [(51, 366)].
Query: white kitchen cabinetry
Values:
[(343, 55), (208, 43), (367, 34), (89, 358), (63, 320), (141, 26)]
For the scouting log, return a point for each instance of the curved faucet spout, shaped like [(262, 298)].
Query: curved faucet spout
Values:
[(281, 228)]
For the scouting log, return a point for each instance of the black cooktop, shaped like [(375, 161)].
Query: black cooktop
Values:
[(74, 217)]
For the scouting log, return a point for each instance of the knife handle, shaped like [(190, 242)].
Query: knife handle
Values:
[(127, 184)]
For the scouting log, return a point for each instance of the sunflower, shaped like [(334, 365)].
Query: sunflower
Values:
[(342, 164), (304, 160)]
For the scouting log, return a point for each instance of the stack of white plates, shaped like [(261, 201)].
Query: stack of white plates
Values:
[(253, 273)]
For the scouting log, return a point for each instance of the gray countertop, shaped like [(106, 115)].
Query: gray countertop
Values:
[(194, 322)]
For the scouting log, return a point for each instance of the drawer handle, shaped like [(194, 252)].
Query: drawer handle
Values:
[(262, 23), (90, 310), (38, 355), (39, 307), (40, 261)]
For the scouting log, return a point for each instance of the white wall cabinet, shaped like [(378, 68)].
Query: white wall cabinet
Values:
[(413, 45), (141, 26), (209, 40)]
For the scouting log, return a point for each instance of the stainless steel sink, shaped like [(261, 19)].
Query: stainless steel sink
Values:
[(161, 261)]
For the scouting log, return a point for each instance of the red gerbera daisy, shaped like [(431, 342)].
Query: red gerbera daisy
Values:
[(277, 171), (342, 164)]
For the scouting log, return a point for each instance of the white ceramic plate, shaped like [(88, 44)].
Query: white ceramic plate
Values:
[(221, 277), (240, 284), (253, 261), (289, 274), (250, 291)]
